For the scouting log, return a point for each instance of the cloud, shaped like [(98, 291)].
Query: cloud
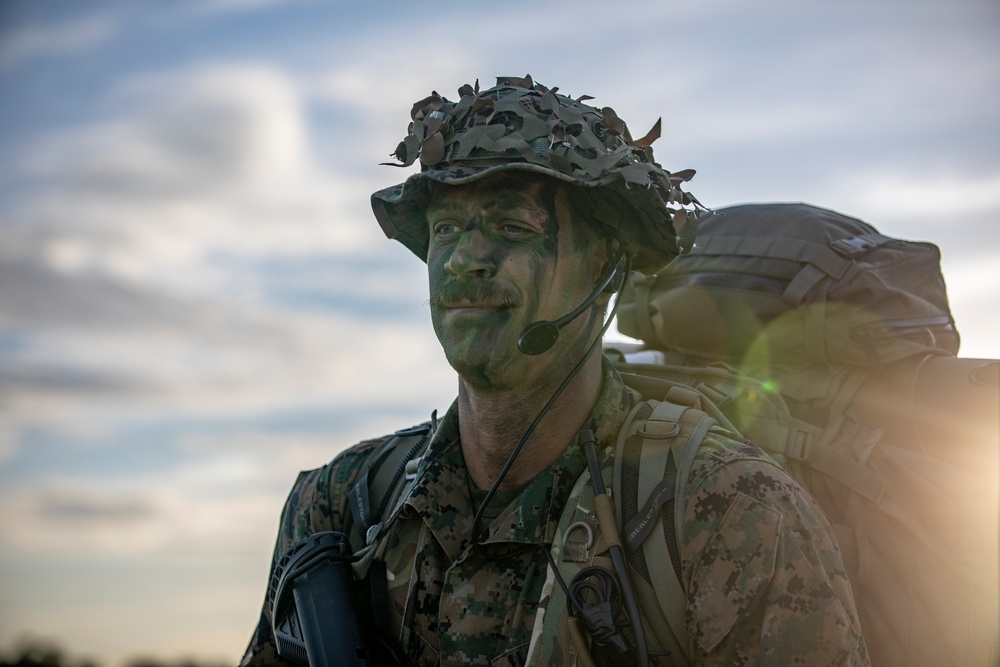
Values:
[(188, 253), (242, 362), (923, 194), (176, 513), (8, 442), (173, 178), (72, 509), (195, 302), (977, 283), (60, 39), (185, 133), (38, 295), (218, 495)]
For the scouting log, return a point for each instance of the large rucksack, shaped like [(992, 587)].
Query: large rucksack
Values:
[(831, 346)]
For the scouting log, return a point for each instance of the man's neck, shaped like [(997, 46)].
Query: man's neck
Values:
[(492, 422)]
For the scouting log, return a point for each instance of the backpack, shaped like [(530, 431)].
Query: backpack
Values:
[(831, 347)]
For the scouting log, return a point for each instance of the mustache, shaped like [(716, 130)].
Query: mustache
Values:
[(478, 291)]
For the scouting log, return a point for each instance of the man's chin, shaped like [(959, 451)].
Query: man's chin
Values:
[(486, 372)]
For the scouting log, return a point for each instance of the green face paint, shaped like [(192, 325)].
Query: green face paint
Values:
[(498, 260)]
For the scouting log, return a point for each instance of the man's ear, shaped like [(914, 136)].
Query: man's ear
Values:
[(607, 257), (605, 251)]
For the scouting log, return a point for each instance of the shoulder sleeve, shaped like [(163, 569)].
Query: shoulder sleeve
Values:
[(317, 502), (766, 582)]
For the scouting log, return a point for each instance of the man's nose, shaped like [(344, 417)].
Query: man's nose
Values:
[(472, 256)]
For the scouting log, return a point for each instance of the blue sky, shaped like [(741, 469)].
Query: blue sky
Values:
[(196, 303)]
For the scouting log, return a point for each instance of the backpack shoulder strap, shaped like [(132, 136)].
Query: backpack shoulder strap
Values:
[(669, 435), (389, 470), (662, 439)]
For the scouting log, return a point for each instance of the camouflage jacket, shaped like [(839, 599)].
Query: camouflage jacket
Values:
[(765, 580)]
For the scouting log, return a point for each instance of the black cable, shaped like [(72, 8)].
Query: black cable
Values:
[(595, 592), (555, 570), (531, 429), (615, 552)]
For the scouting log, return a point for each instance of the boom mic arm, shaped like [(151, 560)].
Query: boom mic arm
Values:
[(538, 337)]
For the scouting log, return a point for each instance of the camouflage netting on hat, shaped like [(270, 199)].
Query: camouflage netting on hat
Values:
[(524, 126)]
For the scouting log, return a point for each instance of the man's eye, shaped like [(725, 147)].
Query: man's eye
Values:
[(515, 229), (445, 229)]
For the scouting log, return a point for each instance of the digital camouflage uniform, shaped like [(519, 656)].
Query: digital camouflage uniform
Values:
[(765, 580)]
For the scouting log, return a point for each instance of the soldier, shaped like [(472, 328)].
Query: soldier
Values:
[(528, 208)]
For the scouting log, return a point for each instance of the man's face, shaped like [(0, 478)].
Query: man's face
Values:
[(503, 253)]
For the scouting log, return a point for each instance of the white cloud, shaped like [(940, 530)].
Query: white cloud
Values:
[(151, 194), (183, 134), (895, 195), (238, 364), (114, 261), (733, 125), (974, 293), (378, 106), (221, 499), (975, 280)]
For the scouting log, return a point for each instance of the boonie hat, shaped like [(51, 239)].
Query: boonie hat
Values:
[(520, 125)]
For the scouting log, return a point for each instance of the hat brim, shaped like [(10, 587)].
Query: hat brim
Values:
[(646, 228)]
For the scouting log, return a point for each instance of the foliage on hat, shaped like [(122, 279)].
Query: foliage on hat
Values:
[(521, 124)]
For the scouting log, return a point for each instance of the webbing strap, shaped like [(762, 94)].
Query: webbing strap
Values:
[(628, 428), (804, 281), (665, 412), (663, 615), (638, 528), (830, 259), (669, 589), (816, 328), (359, 497), (358, 502), (605, 510), (655, 550), (662, 628), (830, 461), (385, 482), (664, 422)]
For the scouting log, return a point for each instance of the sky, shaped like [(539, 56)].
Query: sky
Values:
[(195, 299)]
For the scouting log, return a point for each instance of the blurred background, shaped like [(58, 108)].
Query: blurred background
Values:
[(196, 302)]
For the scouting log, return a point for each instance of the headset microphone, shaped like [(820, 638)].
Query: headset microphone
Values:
[(538, 337)]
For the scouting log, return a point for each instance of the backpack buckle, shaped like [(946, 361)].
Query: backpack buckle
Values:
[(797, 448), (853, 246), (372, 534), (576, 550), (658, 430), (411, 468)]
